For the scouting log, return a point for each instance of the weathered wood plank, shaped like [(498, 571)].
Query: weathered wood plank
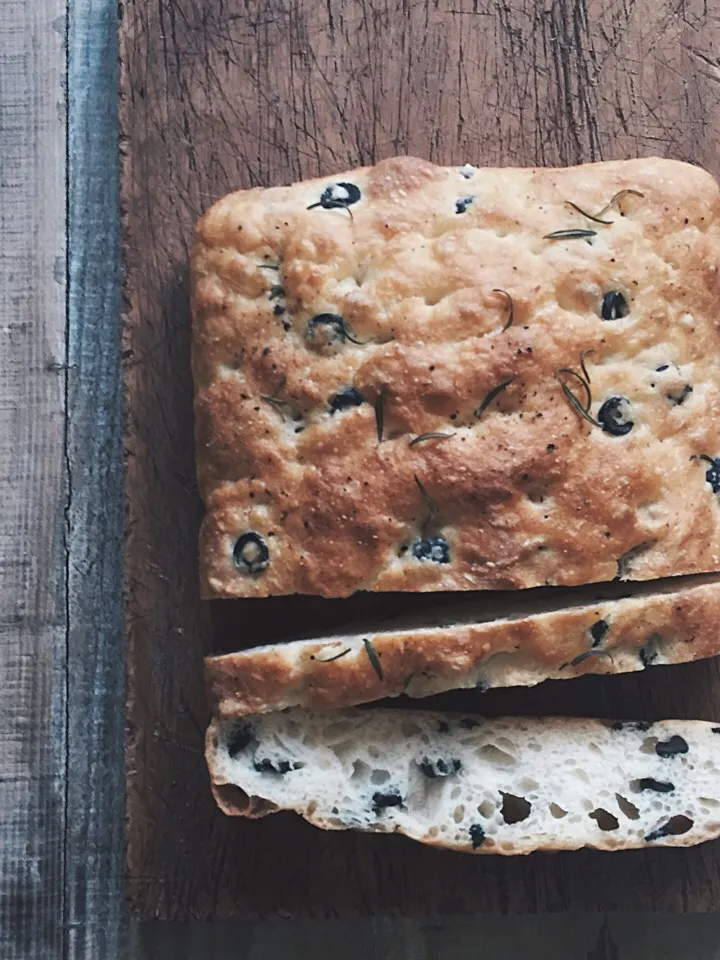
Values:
[(33, 479), (218, 96), (95, 695)]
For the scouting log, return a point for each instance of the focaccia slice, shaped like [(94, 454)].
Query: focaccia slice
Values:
[(508, 786), (467, 645)]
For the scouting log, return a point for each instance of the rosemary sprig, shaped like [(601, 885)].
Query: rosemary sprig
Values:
[(337, 656), (511, 308), (282, 406), (582, 362), (352, 339), (583, 382), (373, 658), (571, 234), (332, 205), (616, 196), (276, 402), (492, 394), (429, 503), (380, 413), (582, 657), (334, 322), (597, 217), (430, 436), (268, 266), (576, 405)]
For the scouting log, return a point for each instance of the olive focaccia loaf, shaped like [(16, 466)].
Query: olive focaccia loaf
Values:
[(466, 648), (507, 786), (412, 377)]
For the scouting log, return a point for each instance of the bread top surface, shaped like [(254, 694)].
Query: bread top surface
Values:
[(385, 294)]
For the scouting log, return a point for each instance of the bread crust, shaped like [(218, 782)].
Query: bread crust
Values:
[(233, 800), (672, 627), (526, 494)]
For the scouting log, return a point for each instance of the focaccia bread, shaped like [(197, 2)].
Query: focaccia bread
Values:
[(505, 786), (412, 377), (467, 646)]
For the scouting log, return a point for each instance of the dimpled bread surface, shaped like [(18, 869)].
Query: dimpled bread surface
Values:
[(338, 320)]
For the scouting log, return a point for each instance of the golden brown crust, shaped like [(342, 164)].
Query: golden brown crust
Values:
[(528, 493), (671, 627)]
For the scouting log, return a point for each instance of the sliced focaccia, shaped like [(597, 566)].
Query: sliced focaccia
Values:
[(518, 640), (507, 786)]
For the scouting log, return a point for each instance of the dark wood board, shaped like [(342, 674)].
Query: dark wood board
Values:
[(218, 95)]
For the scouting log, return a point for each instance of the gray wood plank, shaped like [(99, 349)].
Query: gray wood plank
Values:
[(96, 770), (33, 480)]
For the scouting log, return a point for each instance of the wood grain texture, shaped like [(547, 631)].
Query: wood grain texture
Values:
[(223, 95), (33, 480), (556, 937), (94, 840), (61, 722)]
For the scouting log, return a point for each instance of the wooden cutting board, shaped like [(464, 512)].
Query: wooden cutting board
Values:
[(222, 94)]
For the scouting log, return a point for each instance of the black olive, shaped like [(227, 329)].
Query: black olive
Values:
[(648, 656), (614, 306), (477, 835), (467, 723), (344, 399), (439, 768), (338, 195), (649, 653), (250, 553), (462, 205), (598, 631), (613, 416), (390, 799), (327, 329), (679, 398), (715, 730), (435, 549), (266, 765), (278, 310), (659, 786), (712, 475), (443, 725), (675, 826), (241, 737), (671, 747)]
